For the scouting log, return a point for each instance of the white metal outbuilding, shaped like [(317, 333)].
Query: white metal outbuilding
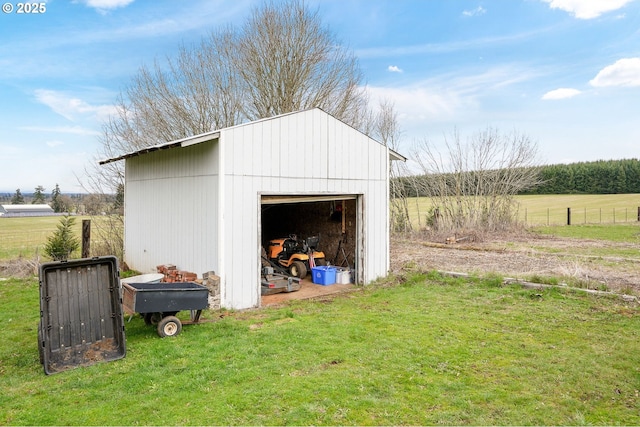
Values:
[(26, 210), (199, 202)]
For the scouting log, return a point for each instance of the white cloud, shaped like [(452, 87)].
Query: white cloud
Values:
[(105, 5), (73, 130), (561, 93), (449, 96), (72, 108), (475, 12), (624, 72), (587, 9), (421, 102), (394, 69), (54, 143)]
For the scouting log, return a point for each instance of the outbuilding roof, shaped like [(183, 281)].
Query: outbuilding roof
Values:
[(209, 136)]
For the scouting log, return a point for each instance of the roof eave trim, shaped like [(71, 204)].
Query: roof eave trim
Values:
[(185, 142), (394, 155)]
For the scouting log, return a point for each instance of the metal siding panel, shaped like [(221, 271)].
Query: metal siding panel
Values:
[(166, 195), (275, 148), (258, 151), (284, 139), (324, 150), (328, 166), (309, 141), (241, 273)]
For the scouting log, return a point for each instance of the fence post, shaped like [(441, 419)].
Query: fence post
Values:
[(638, 213), (86, 238), (548, 216), (568, 216)]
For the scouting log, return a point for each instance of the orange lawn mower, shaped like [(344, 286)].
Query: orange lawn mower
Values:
[(297, 256)]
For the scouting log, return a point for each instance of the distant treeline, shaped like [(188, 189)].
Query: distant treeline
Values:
[(5, 198), (599, 177)]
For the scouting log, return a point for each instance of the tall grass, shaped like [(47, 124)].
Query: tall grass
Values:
[(26, 236), (538, 210), (421, 350)]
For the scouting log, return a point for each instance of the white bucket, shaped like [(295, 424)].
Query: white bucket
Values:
[(343, 276)]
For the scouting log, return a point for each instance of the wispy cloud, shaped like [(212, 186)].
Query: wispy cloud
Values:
[(587, 9), (394, 69), (72, 108), (104, 6), (448, 47), (475, 12), (75, 130), (54, 143), (561, 93), (624, 72), (447, 96)]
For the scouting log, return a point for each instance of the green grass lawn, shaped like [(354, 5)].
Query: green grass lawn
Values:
[(421, 350), (629, 232)]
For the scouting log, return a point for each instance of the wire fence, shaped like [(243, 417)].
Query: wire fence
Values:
[(576, 216)]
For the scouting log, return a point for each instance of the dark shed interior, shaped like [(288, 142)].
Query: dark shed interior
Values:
[(334, 222)]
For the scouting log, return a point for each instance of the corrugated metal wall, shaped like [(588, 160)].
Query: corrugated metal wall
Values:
[(171, 207), (304, 153)]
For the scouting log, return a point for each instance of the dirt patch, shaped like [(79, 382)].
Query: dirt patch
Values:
[(522, 256)]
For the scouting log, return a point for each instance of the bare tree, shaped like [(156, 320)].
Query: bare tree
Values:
[(387, 130), (289, 61), (474, 186)]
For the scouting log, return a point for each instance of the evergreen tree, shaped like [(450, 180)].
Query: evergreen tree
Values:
[(56, 200), (17, 199), (62, 243), (118, 205), (38, 196)]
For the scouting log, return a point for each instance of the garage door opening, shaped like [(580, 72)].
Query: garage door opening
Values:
[(333, 219)]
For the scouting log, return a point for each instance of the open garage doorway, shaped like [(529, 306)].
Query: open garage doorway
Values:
[(334, 219)]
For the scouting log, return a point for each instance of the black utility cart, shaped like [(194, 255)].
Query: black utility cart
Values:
[(158, 303)]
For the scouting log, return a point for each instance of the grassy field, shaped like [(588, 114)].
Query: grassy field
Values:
[(552, 209), (26, 236), (418, 350)]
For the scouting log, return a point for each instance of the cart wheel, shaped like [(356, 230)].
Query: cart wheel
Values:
[(169, 326), (152, 318)]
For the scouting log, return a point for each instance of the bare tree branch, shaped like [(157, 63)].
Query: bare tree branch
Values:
[(474, 186)]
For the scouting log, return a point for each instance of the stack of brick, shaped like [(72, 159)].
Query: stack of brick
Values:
[(172, 274), (212, 282)]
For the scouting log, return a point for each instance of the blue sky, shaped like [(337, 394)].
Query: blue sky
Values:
[(566, 73)]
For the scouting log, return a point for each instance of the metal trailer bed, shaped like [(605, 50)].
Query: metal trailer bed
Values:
[(158, 303)]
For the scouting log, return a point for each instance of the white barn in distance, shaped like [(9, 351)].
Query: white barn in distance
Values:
[(211, 202), (26, 210)]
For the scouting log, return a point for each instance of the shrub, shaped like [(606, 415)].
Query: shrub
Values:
[(61, 244)]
